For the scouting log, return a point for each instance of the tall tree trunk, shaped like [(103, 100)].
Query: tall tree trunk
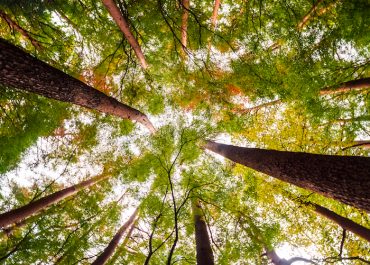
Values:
[(125, 28), (14, 25), (216, 7), (21, 70), (34, 207), (352, 85), (345, 223), (184, 25), (363, 144), (344, 178), (121, 248), (113, 244), (308, 16), (203, 244)]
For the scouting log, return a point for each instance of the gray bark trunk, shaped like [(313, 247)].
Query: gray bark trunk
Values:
[(344, 178), (23, 71)]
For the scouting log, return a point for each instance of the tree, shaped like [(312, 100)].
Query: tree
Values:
[(275, 75), (22, 31), (343, 222), (124, 26), (203, 244), (36, 206), (185, 4), (328, 175), (113, 244), (22, 71)]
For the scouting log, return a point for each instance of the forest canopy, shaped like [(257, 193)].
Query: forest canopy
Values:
[(184, 132)]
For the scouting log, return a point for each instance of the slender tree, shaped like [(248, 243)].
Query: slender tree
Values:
[(357, 84), (309, 15), (122, 247), (125, 28), (14, 25), (23, 71), (216, 6), (344, 178), (184, 25), (35, 207), (345, 223), (113, 244), (364, 144), (203, 244)]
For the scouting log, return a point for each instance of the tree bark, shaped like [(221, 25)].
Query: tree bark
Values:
[(22, 31), (184, 25), (125, 28), (21, 70), (203, 244), (113, 244), (344, 178), (34, 207), (345, 223), (352, 85)]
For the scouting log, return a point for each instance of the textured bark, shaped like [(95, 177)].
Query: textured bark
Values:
[(203, 244), (113, 244), (14, 25), (344, 178), (34, 207), (184, 25), (21, 70), (125, 28), (345, 223), (352, 85)]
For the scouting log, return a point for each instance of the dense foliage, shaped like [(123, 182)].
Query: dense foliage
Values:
[(265, 74)]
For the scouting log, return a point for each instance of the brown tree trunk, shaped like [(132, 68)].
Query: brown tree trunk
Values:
[(121, 248), (308, 16), (344, 178), (352, 85), (345, 223), (14, 25), (362, 144), (34, 207), (125, 28), (184, 25), (113, 244), (203, 244), (216, 6), (21, 70)]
